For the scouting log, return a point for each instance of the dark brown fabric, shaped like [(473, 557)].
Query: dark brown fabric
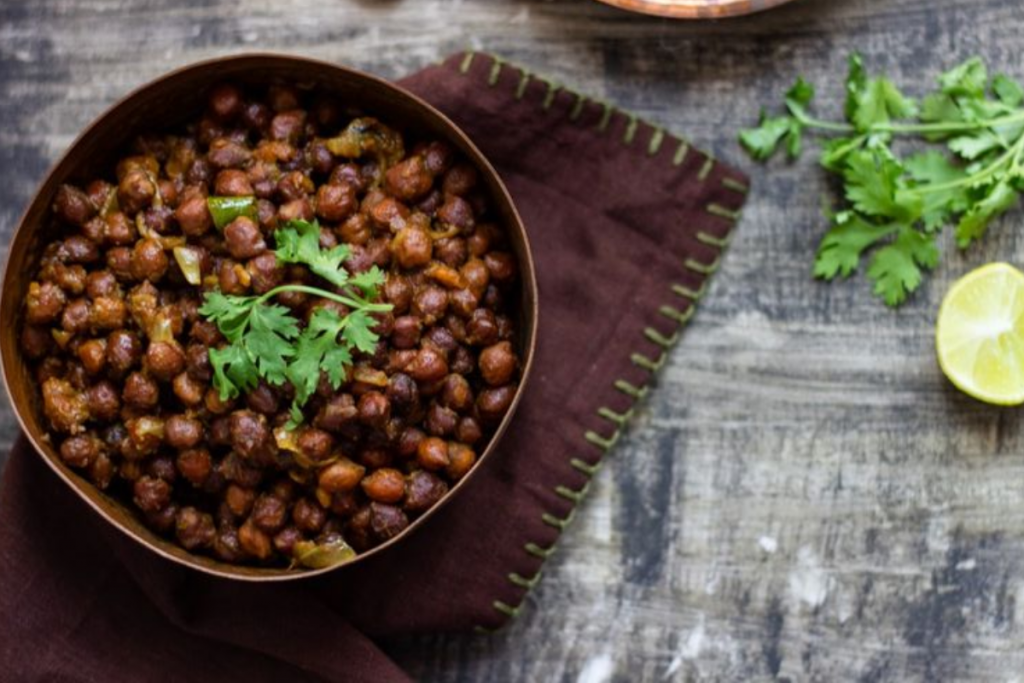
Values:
[(615, 219)]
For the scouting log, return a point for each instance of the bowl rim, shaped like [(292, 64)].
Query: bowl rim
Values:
[(253, 574), (696, 9)]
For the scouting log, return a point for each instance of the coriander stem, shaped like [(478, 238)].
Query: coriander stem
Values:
[(1012, 154), (823, 125), (1015, 165), (316, 291), (948, 127)]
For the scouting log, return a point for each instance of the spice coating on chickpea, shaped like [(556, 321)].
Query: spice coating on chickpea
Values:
[(126, 358)]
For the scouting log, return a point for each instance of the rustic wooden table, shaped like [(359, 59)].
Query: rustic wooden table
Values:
[(804, 497)]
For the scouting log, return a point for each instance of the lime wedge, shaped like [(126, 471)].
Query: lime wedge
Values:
[(979, 335)]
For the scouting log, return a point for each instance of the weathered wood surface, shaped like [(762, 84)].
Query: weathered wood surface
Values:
[(804, 497)]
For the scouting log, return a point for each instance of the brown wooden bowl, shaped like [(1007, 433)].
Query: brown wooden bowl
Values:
[(168, 102), (695, 9)]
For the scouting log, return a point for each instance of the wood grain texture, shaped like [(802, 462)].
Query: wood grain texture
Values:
[(804, 497)]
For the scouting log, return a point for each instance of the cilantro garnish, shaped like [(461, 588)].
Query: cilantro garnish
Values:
[(266, 342), (895, 204)]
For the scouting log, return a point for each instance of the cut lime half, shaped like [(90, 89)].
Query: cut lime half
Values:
[(979, 335)]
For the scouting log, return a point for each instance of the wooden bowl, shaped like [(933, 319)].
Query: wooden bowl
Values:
[(169, 102), (695, 9)]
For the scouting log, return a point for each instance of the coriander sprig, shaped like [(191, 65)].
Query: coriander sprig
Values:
[(266, 342), (896, 205)]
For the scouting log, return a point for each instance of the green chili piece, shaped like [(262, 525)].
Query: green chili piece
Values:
[(226, 209)]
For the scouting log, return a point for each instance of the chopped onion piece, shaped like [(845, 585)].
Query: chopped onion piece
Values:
[(188, 261)]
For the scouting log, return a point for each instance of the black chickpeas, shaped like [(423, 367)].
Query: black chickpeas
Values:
[(127, 365)]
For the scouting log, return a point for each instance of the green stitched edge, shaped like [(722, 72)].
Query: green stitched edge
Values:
[(705, 170), (735, 185), (677, 316), (603, 442), (657, 137), (703, 268), (681, 152), (630, 133), (712, 240), (524, 582), (649, 364), (680, 317), (660, 339), (619, 419), (571, 495), (721, 211), (577, 108), (538, 551), (549, 96), (683, 290), (608, 111), (524, 80), (512, 612), (558, 522), (584, 467), (630, 390)]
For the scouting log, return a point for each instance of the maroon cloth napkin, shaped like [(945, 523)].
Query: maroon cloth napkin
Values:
[(626, 223)]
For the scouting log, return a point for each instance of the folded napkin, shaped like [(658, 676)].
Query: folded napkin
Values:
[(626, 222)]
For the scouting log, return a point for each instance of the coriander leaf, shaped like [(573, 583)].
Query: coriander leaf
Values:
[(1007, 90), (295, 417), (834, 153), (997, 199), (939, 108), (229, 312), (856, 80), (324, 320), (762, 141), (797, 99), (873, 101), (842, 246), (368, 281), (317, 349), (233, 371), (972, 146), (299, 242), (266, 341), (794, 142), (981, 111), (968, 79), (896, 267), (801, 92), (874, 187), (1009, 133), (304, 370), (880, 102), (276, 318), (981, 122), (328, 265), (269, 342), (934, 169), (358, 332), (336, 360)]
